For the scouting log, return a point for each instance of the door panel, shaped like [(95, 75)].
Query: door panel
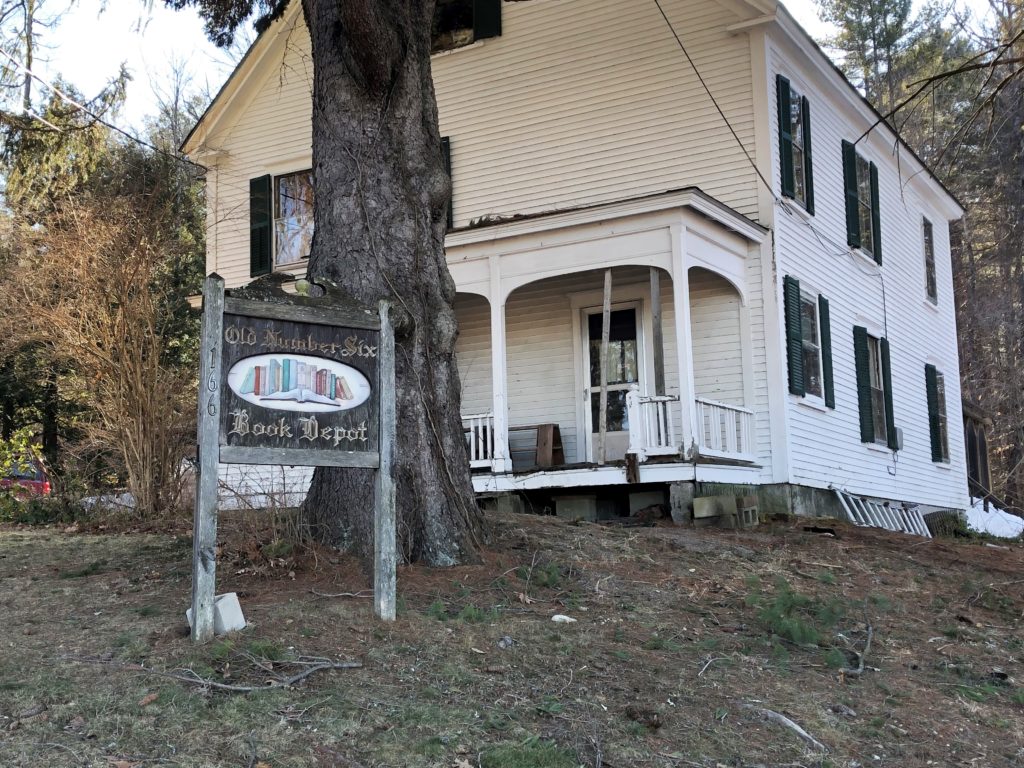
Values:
[(623, 370)]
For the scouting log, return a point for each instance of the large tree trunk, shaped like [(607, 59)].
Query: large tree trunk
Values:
[(381, 203)]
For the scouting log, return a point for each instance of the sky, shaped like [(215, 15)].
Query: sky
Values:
[(89, 45)]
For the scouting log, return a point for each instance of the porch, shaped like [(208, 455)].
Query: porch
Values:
[(679, 378)]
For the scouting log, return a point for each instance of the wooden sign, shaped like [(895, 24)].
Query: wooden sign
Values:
[(296, 381)]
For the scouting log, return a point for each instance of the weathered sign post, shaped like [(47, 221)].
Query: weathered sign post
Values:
[(297, 381)]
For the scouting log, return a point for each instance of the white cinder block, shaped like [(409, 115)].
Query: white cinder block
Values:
[(227, 614)]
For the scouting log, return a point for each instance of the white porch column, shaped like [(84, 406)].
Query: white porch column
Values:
[(501, 461), (684, 336)]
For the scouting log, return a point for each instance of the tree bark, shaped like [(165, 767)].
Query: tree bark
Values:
[(380, 219)]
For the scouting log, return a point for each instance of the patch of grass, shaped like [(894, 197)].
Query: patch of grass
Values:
[(621, 655), (978, 693), (147, 611), (437, 610), (432, 747), (658, 643), (470, 614), (826, 577), (278, 548), (265, 649), (835, 658), (550, 706), (1018, 696), (96, 566), (531, 753)]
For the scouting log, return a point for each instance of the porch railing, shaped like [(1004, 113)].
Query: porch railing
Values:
[(724, 431), (479, 430), (652, 428)]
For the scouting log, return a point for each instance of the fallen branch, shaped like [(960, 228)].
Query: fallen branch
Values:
[(193, 679), (784, 721), (859, 669), (361, 593)]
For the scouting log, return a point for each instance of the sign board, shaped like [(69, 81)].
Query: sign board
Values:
[(296, 381)]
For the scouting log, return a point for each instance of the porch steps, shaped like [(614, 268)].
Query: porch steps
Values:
[(876, 514)]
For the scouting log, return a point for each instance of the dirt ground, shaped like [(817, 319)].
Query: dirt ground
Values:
[(686, 646)]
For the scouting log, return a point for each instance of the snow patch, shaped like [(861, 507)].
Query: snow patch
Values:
[(995, 521)]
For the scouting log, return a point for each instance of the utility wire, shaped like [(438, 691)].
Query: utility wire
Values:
[(82, 108)]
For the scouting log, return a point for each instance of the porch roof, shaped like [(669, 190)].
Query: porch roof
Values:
[(487, 229)]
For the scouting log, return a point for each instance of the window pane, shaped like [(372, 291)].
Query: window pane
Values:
[(867, 235), (812, 370), (940, 390), (796, 126), (929, 261), (617, 417), (878, 413), (622, 365), (293, 222), (809, 320)]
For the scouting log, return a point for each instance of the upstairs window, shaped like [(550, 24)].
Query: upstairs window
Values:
[(795, 144), (458, 23), (860, 178), (808, 344), (931, 288), (280, 221), (293, 217)]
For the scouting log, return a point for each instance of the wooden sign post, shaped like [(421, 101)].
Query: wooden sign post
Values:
[(296, 381)]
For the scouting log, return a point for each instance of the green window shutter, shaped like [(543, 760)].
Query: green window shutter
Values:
[(785, 136), (261, 223), (808, 162), (446, 150), (486, 19), (850, 183), (876, 224), (931, 382), (826, 352), (860, 354), (890, 424), (794, 336)]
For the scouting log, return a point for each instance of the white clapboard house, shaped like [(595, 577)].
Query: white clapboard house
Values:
[(782, 307)]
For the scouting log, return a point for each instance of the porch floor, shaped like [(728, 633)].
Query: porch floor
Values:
[(614, 473)]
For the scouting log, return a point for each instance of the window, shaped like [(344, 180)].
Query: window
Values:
[(293, 217), (811, 345), (808, 343), (881, 432), (795, 144), (622, 369), (280, 221), (929, 262), (458, 23), (938, 427), (874, 388), (863, 228)]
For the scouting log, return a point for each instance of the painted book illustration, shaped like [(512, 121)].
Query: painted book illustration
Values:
[(296, 380)]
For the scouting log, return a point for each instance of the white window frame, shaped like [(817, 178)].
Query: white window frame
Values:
[(796, 100), (930, 277), (940, 397), (278, 220), (812, 299), (862, 171), (875, 375)]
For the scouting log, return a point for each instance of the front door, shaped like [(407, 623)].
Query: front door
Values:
[(624, 369)]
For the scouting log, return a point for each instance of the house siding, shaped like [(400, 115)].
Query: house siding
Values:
[(566, 109), (825, 445)]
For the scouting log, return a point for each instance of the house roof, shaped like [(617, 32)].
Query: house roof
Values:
[(769, 10)]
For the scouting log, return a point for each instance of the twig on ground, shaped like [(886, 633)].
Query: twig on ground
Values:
[(194, 679), (709, 663), (253, 753), (367, 593), (859, 669), (784, 721)]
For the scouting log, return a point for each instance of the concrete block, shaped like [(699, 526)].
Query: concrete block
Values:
[(680, 500), (576, 507), (714, 506), (227, 614)]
